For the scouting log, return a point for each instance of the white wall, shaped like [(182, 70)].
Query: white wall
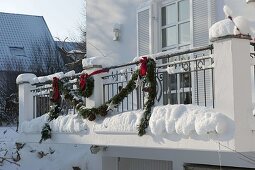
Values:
[(101, 16), (180, 157)]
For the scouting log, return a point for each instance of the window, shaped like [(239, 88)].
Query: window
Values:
[(175, 24), (17, 51), (175, 27)]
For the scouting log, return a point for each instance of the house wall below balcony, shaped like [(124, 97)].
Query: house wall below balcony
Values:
[(113, 156)]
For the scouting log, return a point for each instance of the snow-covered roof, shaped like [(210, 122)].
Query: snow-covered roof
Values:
[(20, 34)]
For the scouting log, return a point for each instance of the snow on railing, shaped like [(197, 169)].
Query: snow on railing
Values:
[(42, 88)]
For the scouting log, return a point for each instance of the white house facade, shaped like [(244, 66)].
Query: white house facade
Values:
[(148, 27), (203, 119)]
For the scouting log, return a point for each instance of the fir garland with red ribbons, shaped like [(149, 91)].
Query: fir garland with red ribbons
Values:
[(86, 83), (146, 72)]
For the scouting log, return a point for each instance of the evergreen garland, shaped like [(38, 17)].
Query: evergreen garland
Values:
[(151, 89), (91, 113), (46, 132), (150, 79), (89, 88)]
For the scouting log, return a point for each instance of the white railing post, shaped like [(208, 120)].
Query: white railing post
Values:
[(97, 97), (233, 94), (25, 97)]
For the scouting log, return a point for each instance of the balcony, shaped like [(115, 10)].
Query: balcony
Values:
[(206, 91)]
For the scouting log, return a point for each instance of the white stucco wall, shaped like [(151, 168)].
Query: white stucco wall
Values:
[(101, 17), (178, 157)]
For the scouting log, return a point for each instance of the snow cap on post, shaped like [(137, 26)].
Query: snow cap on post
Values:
[(25, 78)]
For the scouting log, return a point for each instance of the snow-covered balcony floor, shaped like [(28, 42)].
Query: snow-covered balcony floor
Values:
[(171, 126)]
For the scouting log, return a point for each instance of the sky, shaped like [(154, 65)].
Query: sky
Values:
[(63, 17)]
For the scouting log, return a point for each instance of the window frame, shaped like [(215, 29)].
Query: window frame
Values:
[(17, 48), (177, 24), (180, 90)]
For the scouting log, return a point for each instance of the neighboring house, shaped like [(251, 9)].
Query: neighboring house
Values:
[(124, 29), (26, 45), (72, 54), (25, 40)]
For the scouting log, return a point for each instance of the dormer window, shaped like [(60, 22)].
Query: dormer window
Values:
[(17, 51)]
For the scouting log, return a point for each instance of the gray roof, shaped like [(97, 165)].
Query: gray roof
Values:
[(22, 34)]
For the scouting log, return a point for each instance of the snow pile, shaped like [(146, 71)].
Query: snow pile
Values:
[(151, 56), (221, 28), (44, 156), (35, 125), (241, 8), (186, 120), (228, 27), (243, 25), (238, 25), (32, 79), (71, 123), (183, 120), (102, 61), (59, 75), (124, 122)]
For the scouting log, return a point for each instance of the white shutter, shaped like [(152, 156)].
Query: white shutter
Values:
[(212, 12), (204, 15), (143, 31), (200, 23)]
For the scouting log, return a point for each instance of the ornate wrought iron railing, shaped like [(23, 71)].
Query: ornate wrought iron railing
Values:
[(183, 77)]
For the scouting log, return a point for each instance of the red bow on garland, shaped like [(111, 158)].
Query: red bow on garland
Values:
[(84, 77), (143, 66), (56, 93)]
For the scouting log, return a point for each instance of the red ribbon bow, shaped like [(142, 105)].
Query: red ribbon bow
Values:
[(56, 93), (143, 66), (83, 80), (84, 77)]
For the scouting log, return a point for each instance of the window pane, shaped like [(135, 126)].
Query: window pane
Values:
[(169, 14), (173, 81), (186, 98), (185, 79), (173, 98), (17, 51), (183, 10), (184, 33), (169, 36)]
